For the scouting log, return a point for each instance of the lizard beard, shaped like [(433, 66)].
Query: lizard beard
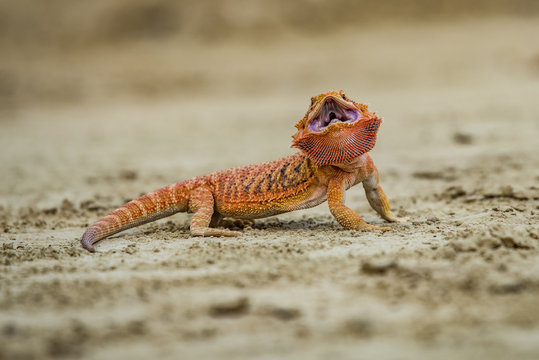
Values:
[(341, 143)]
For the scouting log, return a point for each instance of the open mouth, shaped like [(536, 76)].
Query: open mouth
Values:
[(332, 113)]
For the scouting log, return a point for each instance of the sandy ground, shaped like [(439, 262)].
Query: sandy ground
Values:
[(457, 153)]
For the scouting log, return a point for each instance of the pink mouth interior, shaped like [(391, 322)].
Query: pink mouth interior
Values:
[(332, 113)]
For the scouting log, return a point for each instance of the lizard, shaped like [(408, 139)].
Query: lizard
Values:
[(334, 138)]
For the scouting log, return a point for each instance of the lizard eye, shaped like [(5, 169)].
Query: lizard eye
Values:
[(343, 96), (312, 101)]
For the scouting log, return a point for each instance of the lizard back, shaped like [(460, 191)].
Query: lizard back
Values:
[(262, 189)]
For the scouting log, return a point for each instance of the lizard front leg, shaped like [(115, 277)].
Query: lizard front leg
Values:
[(202, 204), (377, 198), (347, 217)]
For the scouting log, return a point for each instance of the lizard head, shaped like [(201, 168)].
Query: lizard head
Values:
[(336, 129)]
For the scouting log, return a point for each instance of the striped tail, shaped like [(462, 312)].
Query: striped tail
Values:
[(147, 208)]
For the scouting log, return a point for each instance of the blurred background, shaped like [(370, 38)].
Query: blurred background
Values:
[(63, 51)]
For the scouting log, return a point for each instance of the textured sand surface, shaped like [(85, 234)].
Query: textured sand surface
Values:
[(457, 153)]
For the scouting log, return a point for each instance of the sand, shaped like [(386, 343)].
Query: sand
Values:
[(457, 153)]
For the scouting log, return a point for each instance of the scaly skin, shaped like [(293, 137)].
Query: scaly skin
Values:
[(333, 158)]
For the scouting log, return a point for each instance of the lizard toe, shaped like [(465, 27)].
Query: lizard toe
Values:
[(203, 232)]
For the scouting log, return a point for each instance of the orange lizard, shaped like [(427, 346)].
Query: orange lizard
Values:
[(334, 137)]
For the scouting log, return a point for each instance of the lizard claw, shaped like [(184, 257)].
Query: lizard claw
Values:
[(397, 219)]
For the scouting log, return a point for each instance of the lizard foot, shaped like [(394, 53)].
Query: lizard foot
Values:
[(215, 232), (393, 218)]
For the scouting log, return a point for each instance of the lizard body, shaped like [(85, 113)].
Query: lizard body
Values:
[(334, 138)]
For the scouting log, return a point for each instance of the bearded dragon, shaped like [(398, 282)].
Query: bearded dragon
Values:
[(334, 138)]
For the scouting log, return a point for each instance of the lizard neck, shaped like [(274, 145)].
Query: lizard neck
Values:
[(350, 166)]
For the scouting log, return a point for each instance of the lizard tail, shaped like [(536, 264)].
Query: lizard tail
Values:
[(147, 208)]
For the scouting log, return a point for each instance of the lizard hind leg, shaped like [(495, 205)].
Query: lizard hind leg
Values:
[(202, 204)]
